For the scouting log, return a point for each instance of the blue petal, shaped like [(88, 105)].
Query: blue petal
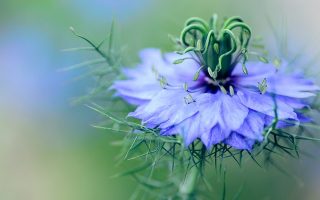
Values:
[(278, 82), (291, 86), (220, 114), (256, 70), (238, 141), (188, 129), (233, 112), (253, 126), (167, 108), (214, 115), (150, 56), (214, 136), (293, 102), (221, 108), (266, 104), (136, 92)]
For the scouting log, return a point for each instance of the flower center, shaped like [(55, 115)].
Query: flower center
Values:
[(218, 47)]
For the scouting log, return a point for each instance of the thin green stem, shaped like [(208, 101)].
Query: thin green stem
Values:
[(188, 187)]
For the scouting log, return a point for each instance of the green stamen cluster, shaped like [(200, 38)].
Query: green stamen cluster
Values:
[(218, 48)]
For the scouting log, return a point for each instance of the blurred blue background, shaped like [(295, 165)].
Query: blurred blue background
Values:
[(48, 149)]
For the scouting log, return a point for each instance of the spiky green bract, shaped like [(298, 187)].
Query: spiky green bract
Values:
[(104, 67)]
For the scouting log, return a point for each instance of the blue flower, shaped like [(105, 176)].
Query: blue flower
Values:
[(235, 118), (211, 91)]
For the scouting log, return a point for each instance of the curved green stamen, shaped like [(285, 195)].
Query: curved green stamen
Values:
[(189, 28), (232, 50), (219, 50), (197, 20)]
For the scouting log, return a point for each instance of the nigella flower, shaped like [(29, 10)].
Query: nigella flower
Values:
[(210, 91)]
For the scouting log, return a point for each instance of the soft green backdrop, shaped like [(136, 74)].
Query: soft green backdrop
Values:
[(48, 151)]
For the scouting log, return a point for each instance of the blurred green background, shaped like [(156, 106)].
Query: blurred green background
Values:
[(48, 150)]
